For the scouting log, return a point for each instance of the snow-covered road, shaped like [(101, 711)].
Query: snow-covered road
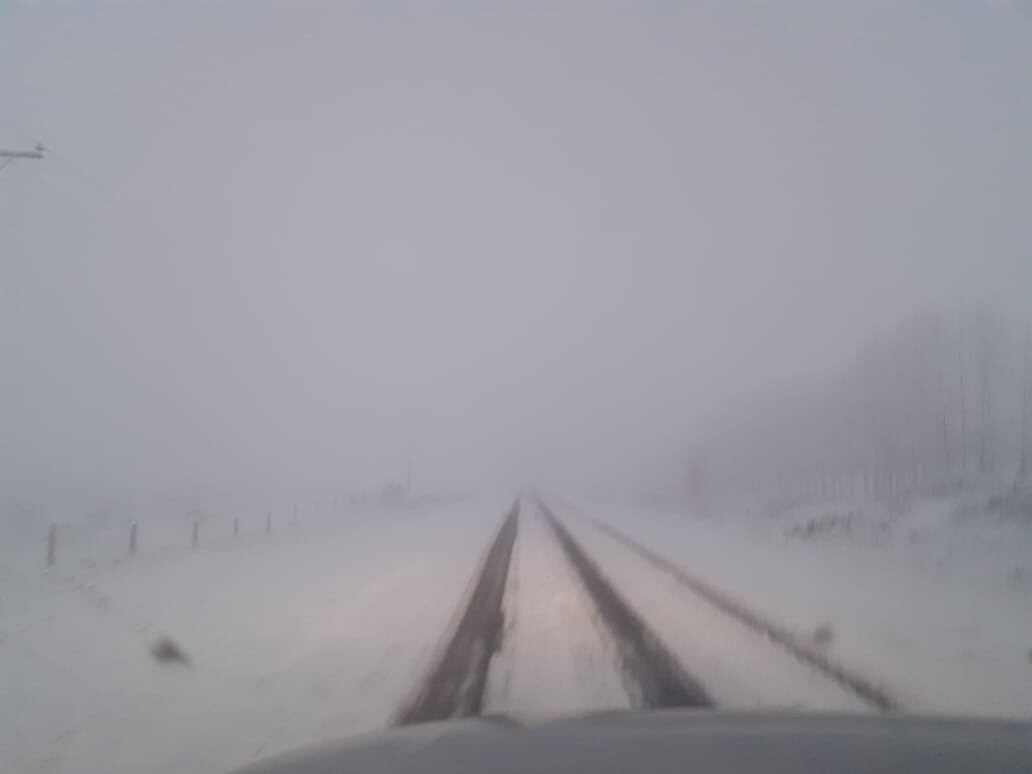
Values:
[(559, 656), (555, 658), (738, 667)]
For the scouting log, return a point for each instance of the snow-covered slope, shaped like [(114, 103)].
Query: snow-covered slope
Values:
[(293, 640)]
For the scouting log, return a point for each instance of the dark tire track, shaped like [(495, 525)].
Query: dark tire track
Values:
[(662, 680), (874, 695), (455, 687)]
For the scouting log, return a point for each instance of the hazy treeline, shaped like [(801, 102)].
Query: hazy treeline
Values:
[(941, 401)]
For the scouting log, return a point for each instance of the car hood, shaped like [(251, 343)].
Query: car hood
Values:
[(674, 741)]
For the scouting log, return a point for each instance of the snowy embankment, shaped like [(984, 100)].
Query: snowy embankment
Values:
[(556, 656), (306, 637), (935, 608)]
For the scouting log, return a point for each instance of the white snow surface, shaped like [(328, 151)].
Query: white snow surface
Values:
[(938, 611), (556, 657), (326, 627), (293, 639), (738, 667)]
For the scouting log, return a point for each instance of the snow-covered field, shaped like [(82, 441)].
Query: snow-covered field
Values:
[(937, 609), (305, 636), (326, 627), (556, 657)]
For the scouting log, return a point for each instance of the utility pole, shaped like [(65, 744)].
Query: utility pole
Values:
[(32, 154), (35, 153), (7, 156)]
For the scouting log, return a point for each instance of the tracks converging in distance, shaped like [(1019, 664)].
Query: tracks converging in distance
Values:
[(660, 679), (455, 687), (653, 675), (867, 691)]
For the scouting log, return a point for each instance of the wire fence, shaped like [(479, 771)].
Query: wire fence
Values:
[(58, 540)]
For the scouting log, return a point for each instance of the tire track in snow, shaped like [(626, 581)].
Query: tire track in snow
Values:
[(557, 656), (659, 677), (455, 686), (866, 690)]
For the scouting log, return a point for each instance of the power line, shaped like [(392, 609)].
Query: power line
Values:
[(41, 148), (115, 201)]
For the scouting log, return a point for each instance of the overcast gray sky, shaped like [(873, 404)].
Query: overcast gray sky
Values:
[(280, 244)]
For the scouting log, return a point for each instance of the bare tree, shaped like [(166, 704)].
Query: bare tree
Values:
[(985, 363), (1026, 399), (944, 406), (893, 422), (963, 398)]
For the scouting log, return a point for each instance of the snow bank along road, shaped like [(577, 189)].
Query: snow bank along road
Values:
[(570, 615)]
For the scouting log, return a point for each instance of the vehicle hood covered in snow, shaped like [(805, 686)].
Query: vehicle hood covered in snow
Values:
[(675, 741)]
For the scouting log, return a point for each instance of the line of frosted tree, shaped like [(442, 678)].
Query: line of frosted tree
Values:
[(941, 402)]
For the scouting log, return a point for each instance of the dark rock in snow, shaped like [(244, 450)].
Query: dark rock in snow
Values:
[(165, 651), (823, 635)]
